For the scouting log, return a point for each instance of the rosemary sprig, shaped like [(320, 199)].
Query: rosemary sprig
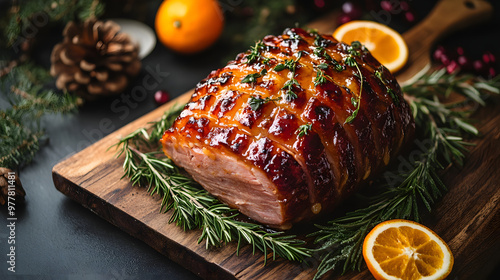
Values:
[(404, 194), (193, 207)]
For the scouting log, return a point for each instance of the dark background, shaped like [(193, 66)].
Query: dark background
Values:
[(58, 238)]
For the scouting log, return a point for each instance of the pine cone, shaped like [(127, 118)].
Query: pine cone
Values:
[(94, 59), (19, 192)]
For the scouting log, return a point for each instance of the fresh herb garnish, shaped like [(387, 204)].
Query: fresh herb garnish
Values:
[(403, 194), (321, 42), (354, 102), (303, 129), (355, 48), (255, 52), (256, 102), (393, 95), (321, 52), (356, 45), (291, 65), (351, 61), (390, 91), (378, 74), (289, 86), (322, 66), (321, 78), (266, 60), (252, 78), (280, 67)]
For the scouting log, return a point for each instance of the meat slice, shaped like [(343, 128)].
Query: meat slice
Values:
[(270, 135)]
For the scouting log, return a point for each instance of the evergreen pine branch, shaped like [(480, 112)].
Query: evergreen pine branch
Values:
[(23, 14), (18, 144), (406, 195), (45, 101), (23, 83), (193, 207), (20, 124)]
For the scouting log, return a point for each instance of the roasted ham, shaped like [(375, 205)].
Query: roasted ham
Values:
[(276, 133)]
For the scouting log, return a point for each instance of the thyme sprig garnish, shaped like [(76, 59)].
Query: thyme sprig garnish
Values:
[(405, 195), (290, 85), (351, 61), (256, 102), (255, 52), (290, 64), (193, 207), (379, 73), (321, 77), (304, 130), (252, 78), (320, 44)]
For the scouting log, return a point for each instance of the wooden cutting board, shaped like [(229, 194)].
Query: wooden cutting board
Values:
[(467, 217)]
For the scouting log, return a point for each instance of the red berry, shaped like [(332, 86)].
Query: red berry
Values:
[(343, 19), (386, 6), (491, 73), (438, 53), (489, 58), (352, 10), (479, 67), (410, 17), (464, 63), (453, 67), (445, 60), (161, 97)]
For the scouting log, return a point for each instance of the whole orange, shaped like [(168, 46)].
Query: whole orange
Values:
[(189, 26)]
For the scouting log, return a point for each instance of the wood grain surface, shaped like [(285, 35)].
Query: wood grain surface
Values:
[(468, 217)]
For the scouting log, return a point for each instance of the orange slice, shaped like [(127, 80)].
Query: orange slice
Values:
[(401, 249), (384, 43)]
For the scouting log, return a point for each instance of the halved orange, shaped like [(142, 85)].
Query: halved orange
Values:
[(401, 249), (384, 43)]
